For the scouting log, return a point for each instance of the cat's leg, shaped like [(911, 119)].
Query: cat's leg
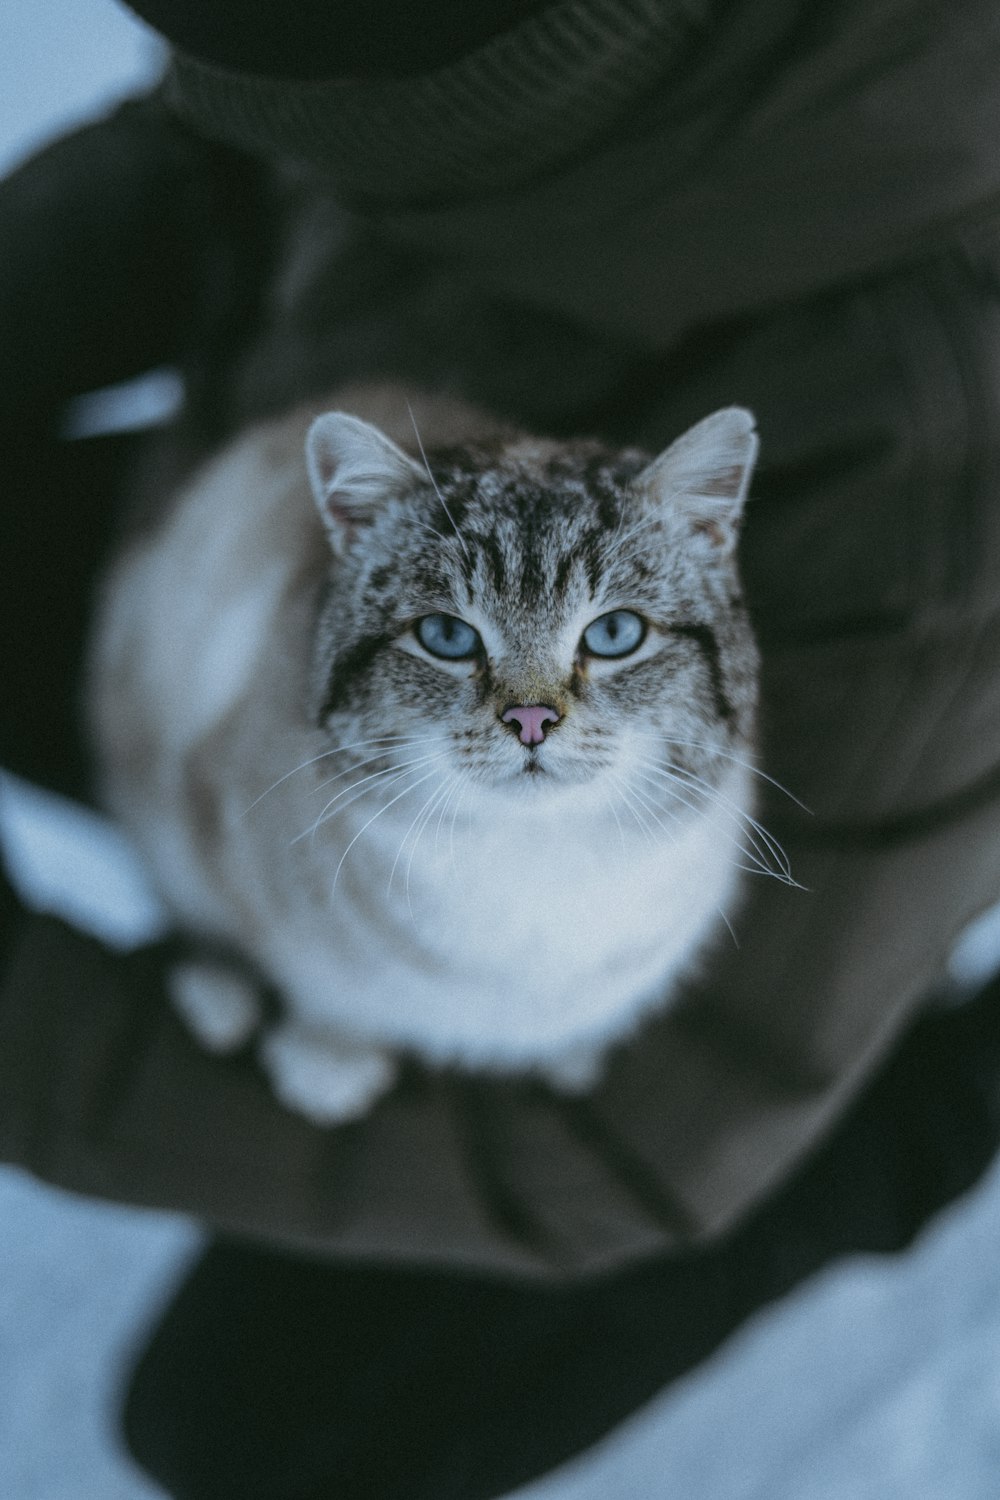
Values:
[(323, 1076), (219, 1005)]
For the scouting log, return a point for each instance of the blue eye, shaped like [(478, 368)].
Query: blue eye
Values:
[(447, 637), (615, 634)]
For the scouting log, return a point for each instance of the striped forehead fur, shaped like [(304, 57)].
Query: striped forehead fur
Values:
[(525, 532), (517, 519)]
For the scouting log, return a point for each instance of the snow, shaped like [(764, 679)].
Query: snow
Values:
[(63, 62), (877, 1380)]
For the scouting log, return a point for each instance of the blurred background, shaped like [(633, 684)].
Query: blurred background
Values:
[(878, 1380)]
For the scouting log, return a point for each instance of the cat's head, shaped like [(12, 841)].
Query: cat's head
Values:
[(534, 614)]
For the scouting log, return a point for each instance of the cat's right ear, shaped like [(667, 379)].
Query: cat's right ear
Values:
[(705, 475), (353, 469)]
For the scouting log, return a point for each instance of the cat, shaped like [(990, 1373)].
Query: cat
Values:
[(445, 728)]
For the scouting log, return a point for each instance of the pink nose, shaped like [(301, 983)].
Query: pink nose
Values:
[(530, 720)]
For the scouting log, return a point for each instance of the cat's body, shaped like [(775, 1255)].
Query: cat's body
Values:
[(458, 762)]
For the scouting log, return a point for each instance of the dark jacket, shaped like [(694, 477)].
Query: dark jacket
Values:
[(783, 205)]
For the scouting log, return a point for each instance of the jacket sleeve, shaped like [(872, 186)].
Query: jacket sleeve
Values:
[(127, 245), (123, 246), (104, 1093)]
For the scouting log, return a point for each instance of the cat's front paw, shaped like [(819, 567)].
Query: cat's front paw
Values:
[(575, 1071), (325, 1078), (220, 1006)]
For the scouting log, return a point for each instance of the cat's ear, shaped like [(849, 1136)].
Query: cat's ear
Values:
[(353, 469), (706, 474)]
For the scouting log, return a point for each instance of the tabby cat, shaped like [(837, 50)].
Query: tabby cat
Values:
[(443, 729)]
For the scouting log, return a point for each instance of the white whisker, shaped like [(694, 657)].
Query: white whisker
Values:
[(389, 740), (729, 925), (463, 787), (623, 792), (627, 497), (737, 815), (772, 848), (440, 797), (664, 740), (402, 843), (430, 530), (391, 803), (618, 824), (430, 476), (358, 765), (643, 525), (675, 796), (387, 776), (765, 852), (441, 812), (378, 781), (304, 765), (655, 808), (397, 768), (454, 784)]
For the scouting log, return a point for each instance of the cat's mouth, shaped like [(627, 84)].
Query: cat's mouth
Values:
[(536, 776), (531, 770), (538, 772)]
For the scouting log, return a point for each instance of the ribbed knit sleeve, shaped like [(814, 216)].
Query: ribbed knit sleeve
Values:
[(537, 95)]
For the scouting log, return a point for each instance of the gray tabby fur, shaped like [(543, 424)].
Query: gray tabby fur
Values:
[(317, 792)]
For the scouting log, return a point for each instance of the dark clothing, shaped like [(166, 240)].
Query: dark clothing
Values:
[(277, 1375), (320, 39), (792, 207), (870, 553)]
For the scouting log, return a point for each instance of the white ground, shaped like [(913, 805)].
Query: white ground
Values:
[(880, 1380)]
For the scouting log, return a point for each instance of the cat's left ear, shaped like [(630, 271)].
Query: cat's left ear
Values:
[(706, 473), (353, 469)]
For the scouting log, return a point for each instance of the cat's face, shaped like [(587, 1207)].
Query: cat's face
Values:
[(533, 617)]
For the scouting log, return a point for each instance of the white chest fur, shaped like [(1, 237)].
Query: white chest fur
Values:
[(507, 940)]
